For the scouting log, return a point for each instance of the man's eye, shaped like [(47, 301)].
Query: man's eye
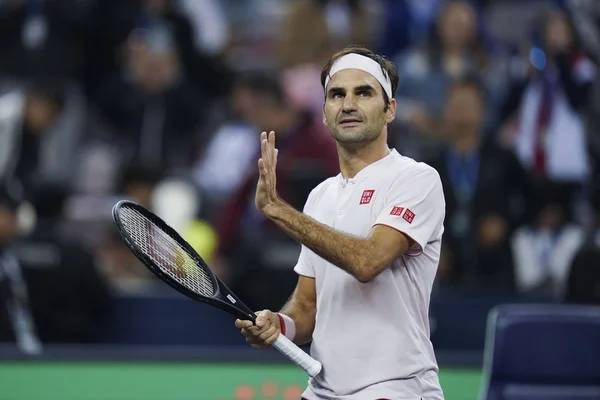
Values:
[(336, 95), (364, 93)]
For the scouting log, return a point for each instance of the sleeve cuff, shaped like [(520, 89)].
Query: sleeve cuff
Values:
[(304, 270), (418, 244)]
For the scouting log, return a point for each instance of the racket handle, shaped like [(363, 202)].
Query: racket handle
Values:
[(297, 355)]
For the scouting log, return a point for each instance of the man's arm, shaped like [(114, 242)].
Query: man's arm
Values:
[(302, 308), (363, 258)]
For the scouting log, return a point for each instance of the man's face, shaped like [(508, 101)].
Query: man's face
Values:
[(558, 35), (252, 107), (155, 70), (457, 25), (40, 113), (354, 107), (140, 192), (464, 110)]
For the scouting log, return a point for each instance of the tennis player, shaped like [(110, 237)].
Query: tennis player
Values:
[(371, 240)]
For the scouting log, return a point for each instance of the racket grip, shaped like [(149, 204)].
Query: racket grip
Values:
[(311, 366)]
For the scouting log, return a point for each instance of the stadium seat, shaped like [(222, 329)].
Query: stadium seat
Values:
[(542, 352)]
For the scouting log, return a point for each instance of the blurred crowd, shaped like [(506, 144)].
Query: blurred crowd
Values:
[(163, 101)]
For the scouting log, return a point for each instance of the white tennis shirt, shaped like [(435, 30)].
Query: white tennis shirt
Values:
[(373, 338)]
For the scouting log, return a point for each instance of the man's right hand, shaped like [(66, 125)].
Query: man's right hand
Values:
[(264, 333)]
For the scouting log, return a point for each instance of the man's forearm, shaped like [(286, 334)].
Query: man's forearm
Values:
[(350, 253)]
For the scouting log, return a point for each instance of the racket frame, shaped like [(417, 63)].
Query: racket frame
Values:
[(233, 305)]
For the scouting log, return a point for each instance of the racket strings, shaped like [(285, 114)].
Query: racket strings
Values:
[(166, 253)]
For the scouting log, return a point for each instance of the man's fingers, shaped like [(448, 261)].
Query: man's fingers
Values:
[(250, 332), (243, 323), (255, 331), (262, 317), (263, 148), (272, 139), (271, 148), (268, 333), (255, 343), (272, 338), (262, 332), (268, 151)]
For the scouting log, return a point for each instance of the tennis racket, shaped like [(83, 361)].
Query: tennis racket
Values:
[(162, 250)]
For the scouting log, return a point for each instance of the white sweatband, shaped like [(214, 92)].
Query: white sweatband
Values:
[(370, 66), (288, 326)]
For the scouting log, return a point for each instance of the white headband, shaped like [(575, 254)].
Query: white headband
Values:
[(357, 61)]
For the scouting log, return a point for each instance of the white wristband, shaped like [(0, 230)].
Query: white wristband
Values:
[(288, 326)]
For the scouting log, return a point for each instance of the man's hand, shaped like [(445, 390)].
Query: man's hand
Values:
[(264, 333), (266, 190)]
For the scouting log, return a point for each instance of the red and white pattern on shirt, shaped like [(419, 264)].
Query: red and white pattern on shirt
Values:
[(366, 196), (409, 216)]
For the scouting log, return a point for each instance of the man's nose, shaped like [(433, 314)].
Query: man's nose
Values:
[(349, 103)]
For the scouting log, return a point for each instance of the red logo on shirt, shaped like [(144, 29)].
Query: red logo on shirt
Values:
[(366, 196), (397, 211), (409, 216)]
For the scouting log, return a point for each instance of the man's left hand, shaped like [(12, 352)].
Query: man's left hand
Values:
[(266, 189)]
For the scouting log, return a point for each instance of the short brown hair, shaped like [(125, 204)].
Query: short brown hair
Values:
[(389, 68)]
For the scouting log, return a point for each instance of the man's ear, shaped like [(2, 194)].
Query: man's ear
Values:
[(390, 114)]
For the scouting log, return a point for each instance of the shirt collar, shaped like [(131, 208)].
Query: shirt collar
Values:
[(369, 169)]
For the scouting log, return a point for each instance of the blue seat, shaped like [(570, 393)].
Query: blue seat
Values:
[(542, 352)]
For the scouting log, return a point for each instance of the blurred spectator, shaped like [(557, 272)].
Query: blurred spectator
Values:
[(249, 243), (549, 91), (586, 19), (314, 29), (180, 204), (173, 199), (310, 32), (211, 26), (16, 320), (124, 270), (454, 49), (68, 296), (224, 164), (583, 284), (204, 70), (152, 106), (39, 136), (126, 274), (43, 38), (543, 250), (115, 21), (138, 183), (407, 23), (485, 189), (592, 123)]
